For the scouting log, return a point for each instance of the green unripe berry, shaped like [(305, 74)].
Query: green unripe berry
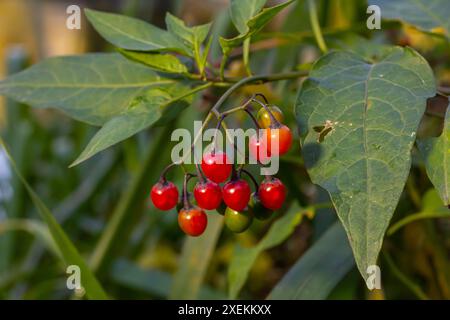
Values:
[(238, 221), (259, 211)]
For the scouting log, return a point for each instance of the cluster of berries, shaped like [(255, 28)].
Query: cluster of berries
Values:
[(234, 199)]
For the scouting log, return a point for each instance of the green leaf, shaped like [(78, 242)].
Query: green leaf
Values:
[(244, 258), (191, 37), (132, 34), (195, 257), (69, 253), (91, 88), (242, 11), (436, 153), (427, 15), (370, 111), (156, 106), (319, 270), (254, 25), (159, 62)]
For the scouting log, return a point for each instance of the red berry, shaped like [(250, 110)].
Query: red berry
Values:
[(164, 195), (216, 166), (272, 193), (208, 195), (284, 138), (236, 194), (262, 147), (192, 221), (258, 149)]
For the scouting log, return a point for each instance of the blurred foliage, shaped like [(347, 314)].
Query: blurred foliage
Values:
[(134, 250)]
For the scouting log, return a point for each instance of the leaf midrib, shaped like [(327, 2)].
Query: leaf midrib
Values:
[(368, 189)]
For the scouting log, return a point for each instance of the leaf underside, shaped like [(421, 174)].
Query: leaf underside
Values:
[(374, 109), (427, 15)]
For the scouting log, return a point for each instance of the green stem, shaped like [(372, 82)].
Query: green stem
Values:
[(223, 63), (404, 279), (257, 79), (246, 55), (414, 217), (316, 26)]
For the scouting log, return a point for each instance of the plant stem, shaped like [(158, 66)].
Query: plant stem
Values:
[(257, 79), (250, 114), (251, 178), (246, 54), (253, 79), (316, 26), (223, 63), (404, 279)]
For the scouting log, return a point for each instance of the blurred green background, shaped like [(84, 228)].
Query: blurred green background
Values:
[(138, 252)]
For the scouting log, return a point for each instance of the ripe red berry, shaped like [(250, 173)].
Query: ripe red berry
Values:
[(258, 148), (192, 221), (164, 195), (216, 166), (262, 146), (284, 138), (272, 193), (236, 194), (208, 195)]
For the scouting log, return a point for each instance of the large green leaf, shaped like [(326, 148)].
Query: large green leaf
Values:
[(244, 258), (254, 25), (91, 88), (159, 62), (194, 261), (69, 253), (358, 121), (131, 33), (436, 153), (154, 107), (428, 15), (242, 11), (319, 270)]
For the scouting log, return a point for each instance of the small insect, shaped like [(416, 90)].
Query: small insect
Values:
[(322, 131)]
